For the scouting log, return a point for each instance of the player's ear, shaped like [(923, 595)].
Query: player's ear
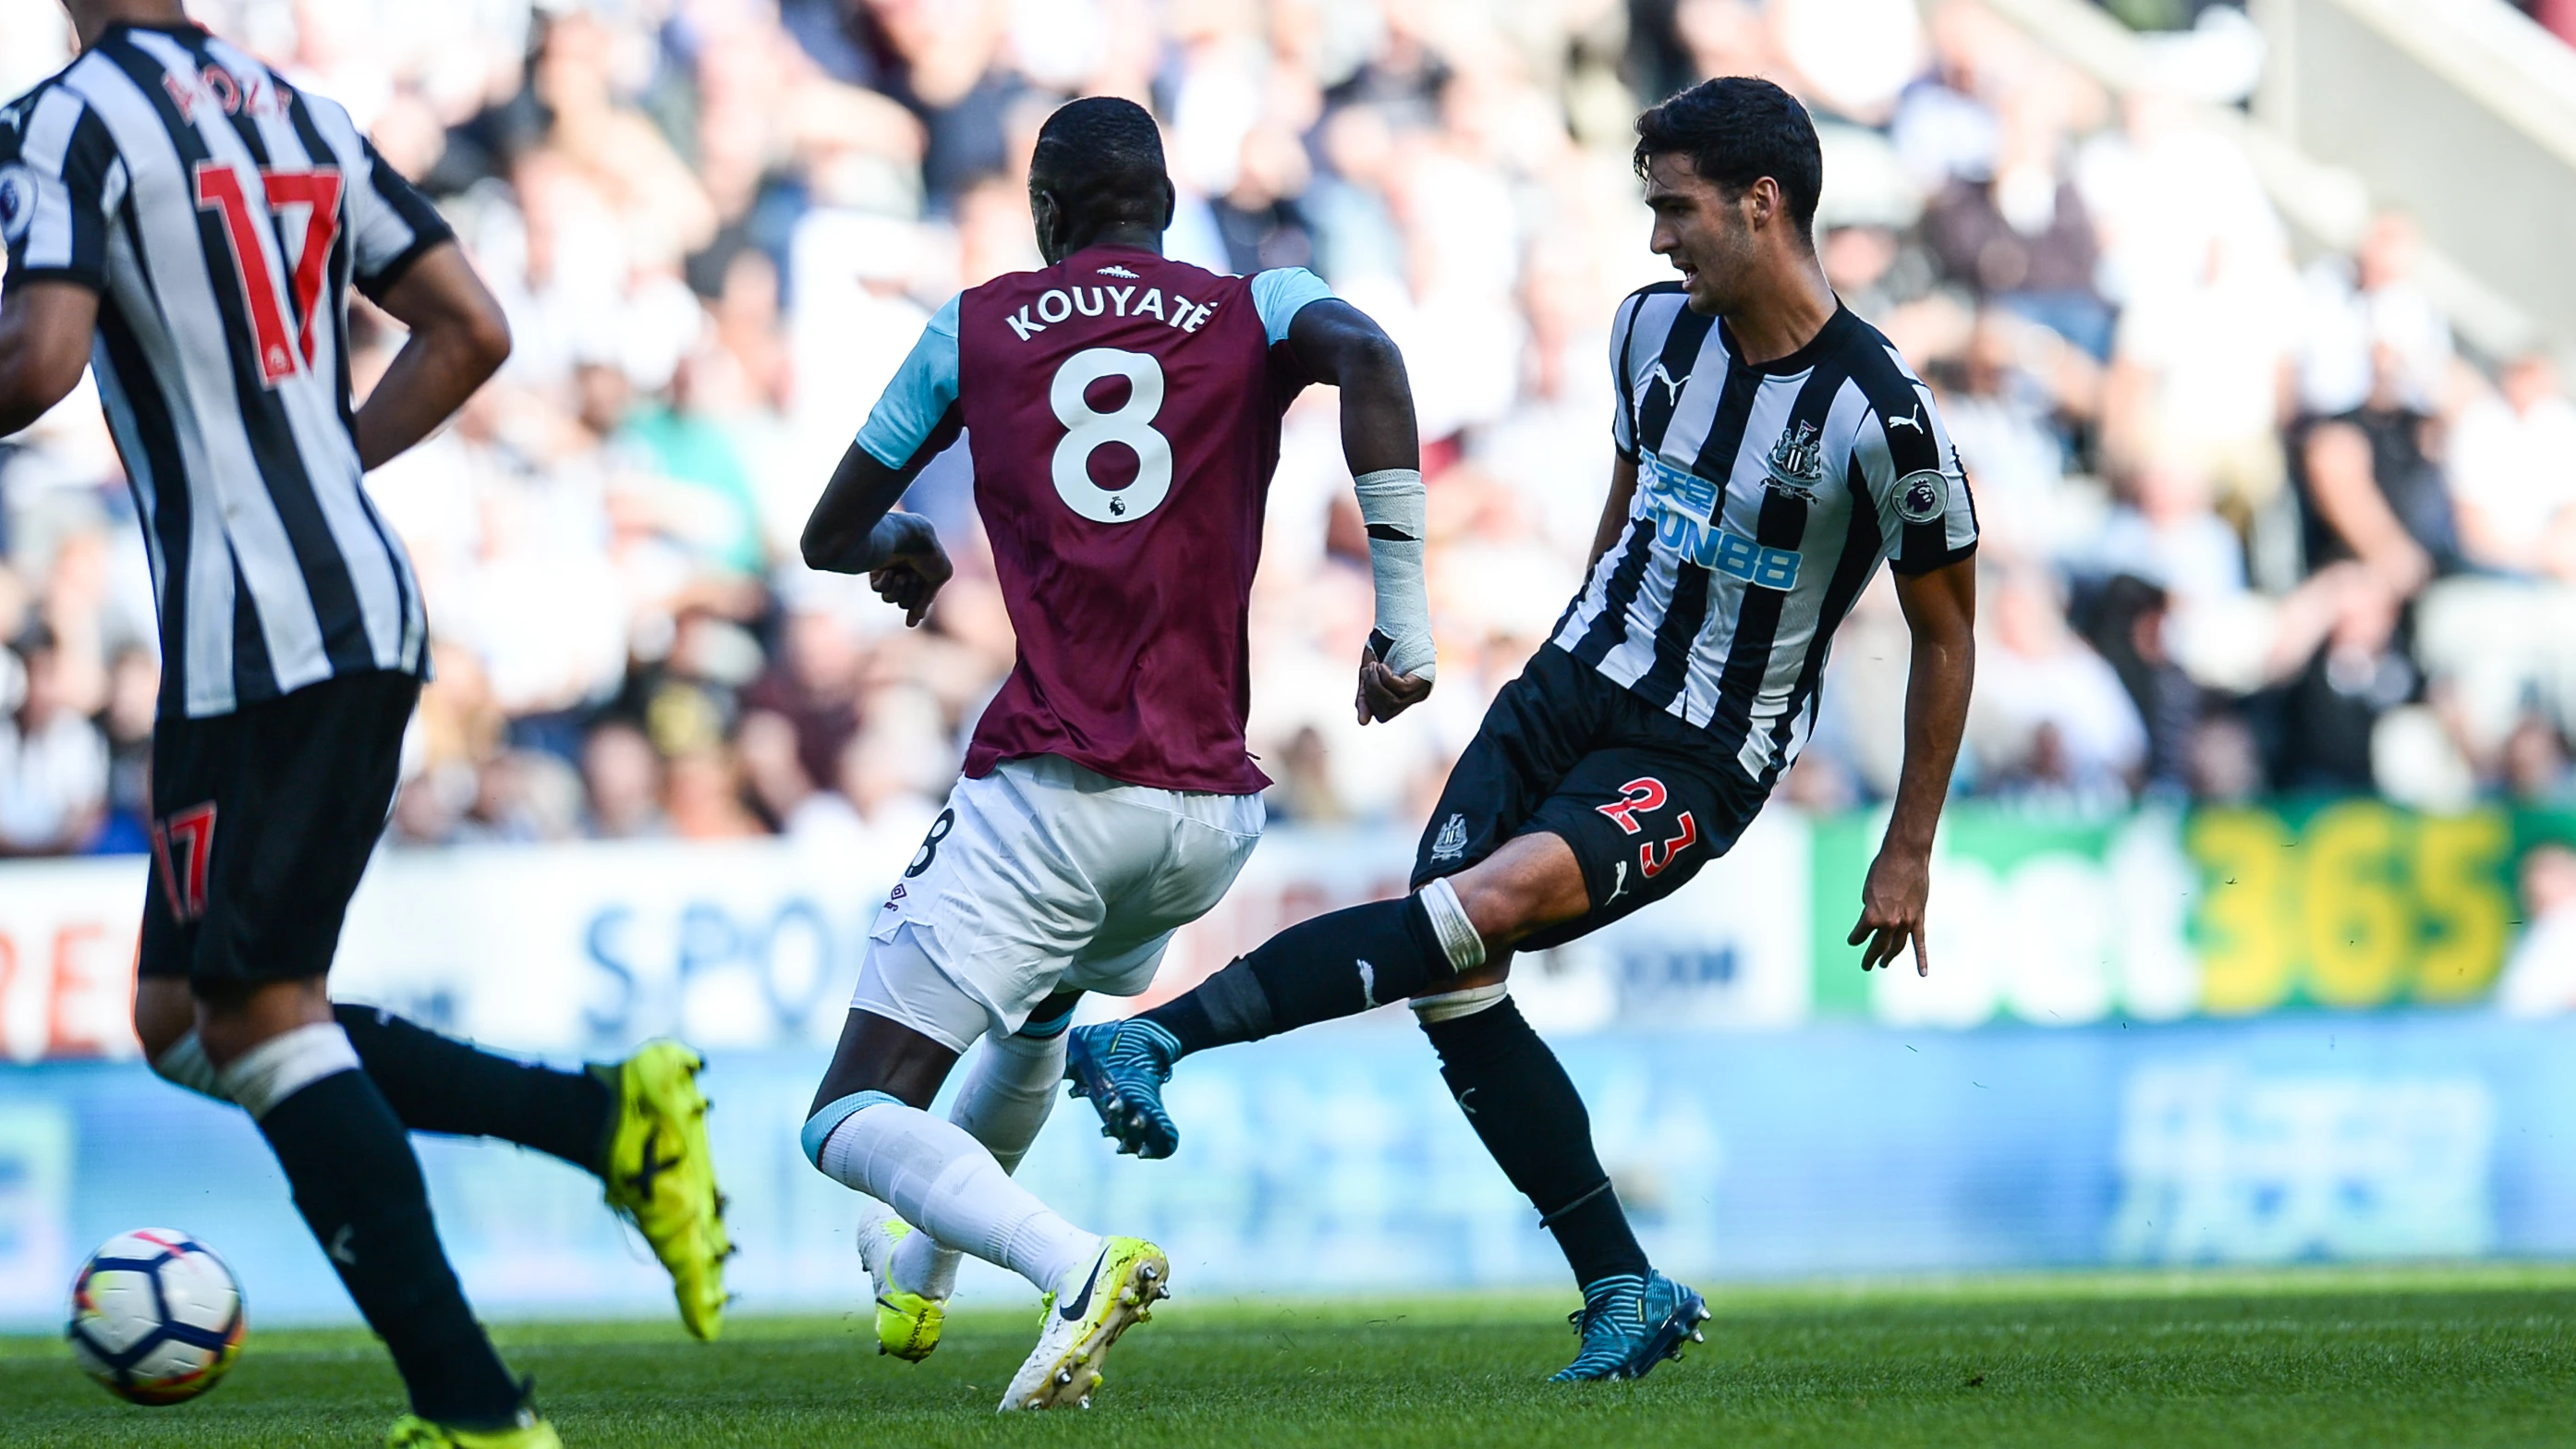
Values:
[(1171, 203), (1046, 219), (1762, 202)]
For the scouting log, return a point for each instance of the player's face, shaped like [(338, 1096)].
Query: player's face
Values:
[(1708, 238)]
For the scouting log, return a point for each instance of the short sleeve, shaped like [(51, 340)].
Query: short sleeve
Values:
[(60, 178), (391, 225), (916, 408), (1904, 462), (1281, 294), (1623, 387)]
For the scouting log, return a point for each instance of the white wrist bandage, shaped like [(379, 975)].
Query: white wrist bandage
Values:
[(1392, 505)]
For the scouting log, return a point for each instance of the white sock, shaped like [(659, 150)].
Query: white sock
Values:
[(1009, 1091), (185, 1063), (946, 1184), (286, 1064)]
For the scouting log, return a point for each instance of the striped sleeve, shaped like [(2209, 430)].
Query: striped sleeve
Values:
[(391, 225), (60, 179), (1623, 381), (1906, 466)]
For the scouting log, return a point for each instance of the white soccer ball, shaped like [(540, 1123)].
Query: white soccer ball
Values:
[(156, 1318)]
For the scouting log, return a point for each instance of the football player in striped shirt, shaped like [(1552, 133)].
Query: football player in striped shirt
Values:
[(188, 226), (1772, 452)]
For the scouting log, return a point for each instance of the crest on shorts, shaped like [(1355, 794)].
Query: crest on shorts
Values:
[(1451, 842), (17, 203), (1922, 495), (1797, 462)]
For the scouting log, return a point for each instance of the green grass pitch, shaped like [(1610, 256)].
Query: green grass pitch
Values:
[(2416, 1357)]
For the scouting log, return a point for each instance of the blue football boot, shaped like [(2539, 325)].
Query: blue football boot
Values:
[(1629, 1325), (1120, 1067)]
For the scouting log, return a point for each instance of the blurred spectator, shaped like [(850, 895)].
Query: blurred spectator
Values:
[(2370, 329), (2370, 490), (1302, 792), (2019, 232), (623, 779), (2512, 468), (2540, 975), (53, 761), (2329, 709), (813, 687), (2197, 377), (2167, 533), (2125, 624), (133, 701), (706, 796), (2535, 766), (2050, 720)]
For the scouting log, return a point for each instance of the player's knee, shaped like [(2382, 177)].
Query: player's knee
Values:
[(1504, 908), (164, 1013)]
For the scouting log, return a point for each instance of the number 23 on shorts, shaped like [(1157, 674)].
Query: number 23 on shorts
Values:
[(1646, 793)]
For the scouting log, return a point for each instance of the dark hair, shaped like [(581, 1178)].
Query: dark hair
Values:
[(1102, 158), (1736, 130)]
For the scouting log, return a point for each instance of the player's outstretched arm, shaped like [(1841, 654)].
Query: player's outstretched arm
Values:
[(1338, 344), (459, 338), (1941, 609), (45, 330)]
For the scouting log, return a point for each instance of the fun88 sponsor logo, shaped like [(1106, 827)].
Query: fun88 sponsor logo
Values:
[(1731, 554)]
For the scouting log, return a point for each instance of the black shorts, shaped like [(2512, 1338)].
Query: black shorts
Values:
[(263, 820), (1640, 795)]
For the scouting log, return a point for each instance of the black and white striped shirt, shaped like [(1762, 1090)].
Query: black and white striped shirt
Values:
[(222, 216), (1767, 496)]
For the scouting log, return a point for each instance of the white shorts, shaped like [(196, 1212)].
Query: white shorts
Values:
[(1044, 877)]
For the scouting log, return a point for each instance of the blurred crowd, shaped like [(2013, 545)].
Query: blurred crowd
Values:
[(2253, 523)]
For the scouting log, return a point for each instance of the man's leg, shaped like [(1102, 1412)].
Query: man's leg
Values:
[(1335, 965), (280, 1055), (869, 1130), (1008, 1093), (433, 1083), (607, 1121), (1515, 1093)]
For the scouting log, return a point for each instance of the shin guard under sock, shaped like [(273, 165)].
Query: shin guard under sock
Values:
[(1521, 1103), (436, 1083), (360, 1191)]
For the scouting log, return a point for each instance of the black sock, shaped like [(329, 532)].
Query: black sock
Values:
[(1520, 1101), (360, 1190), (1335, 965), (439, 1084)]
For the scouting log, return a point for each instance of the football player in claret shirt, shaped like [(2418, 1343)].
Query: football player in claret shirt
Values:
[(1773, 451), (1123, 414)]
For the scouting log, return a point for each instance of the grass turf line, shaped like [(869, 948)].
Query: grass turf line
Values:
[(2452, 1358)]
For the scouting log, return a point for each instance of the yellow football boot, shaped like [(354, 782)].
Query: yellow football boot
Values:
[(413, 1432), (908, 1324), (662, 1177)]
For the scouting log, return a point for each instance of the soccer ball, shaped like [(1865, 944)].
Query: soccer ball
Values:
[(156, 1319)]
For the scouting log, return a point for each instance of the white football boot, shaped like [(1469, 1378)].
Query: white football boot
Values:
[(1075, 1335)]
